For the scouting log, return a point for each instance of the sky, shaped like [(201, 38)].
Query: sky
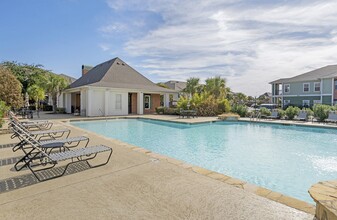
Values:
[(248, 42)]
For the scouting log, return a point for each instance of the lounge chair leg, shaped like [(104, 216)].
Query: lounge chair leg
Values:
[(107, 161)]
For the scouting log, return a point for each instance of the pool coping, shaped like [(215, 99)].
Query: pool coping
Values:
[(139, 117), (263, 121), (249, 187)]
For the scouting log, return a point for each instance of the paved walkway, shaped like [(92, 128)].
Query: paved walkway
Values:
[(133, 185)]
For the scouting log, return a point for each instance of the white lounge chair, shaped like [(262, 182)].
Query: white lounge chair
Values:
[(302, 116), (332, 117), (37, 160), (274, 115)]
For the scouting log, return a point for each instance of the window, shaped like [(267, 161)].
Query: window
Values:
[(286, 88), (119, 101), (306, 103), (147, 101), (317, 102), (306, 87), (317, 86), (286, 102), (336, 85)]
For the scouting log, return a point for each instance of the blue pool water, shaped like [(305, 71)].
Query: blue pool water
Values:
[(285, 159)]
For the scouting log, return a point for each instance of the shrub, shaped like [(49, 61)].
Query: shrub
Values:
[(196, 100), (241, 110), (265, 112), (322, 111), (229, 116), (281, 112), (32, 107), (291, 112), (224, 106), (61, 110), (208, 107), (182, 102), (160, 110), (309, 111), (47, 108), (334, 108), (171, 111), (3, 110)]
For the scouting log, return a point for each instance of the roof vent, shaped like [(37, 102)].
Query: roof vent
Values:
[(118, 63), (123, 64)]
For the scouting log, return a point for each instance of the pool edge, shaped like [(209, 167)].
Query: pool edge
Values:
[(252, 188)]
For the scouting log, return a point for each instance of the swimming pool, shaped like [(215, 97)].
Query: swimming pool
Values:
[(285, 159)]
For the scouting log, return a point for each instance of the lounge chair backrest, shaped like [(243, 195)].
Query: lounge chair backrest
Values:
[(12, 116), (332, 116), (18, 124), (25, 136), (302, 114), (274, 113)]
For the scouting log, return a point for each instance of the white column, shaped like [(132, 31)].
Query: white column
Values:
[(83, 103), (321, 90), (167, 100), (106, 102), (68, 103), (140, 103), (60, 102), (89, 94)]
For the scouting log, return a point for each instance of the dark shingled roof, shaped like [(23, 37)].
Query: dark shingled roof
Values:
[(324, 72), (176, 85), (116, 73)]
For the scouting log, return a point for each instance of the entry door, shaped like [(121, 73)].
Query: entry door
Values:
[(130, 103)]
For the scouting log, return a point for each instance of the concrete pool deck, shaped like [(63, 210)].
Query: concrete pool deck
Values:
[(135, 184)]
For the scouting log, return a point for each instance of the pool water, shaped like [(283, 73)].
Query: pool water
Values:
[(285, 159)]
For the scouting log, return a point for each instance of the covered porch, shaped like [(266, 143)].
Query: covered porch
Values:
[(109, 102)]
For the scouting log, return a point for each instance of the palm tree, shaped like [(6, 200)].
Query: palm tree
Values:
[(36, 93), (242, 98), (216, 86), (56, 84), (192, 85)]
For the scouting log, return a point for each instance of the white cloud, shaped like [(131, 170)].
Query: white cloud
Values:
[(104, 47), (112, 28), (249, 44)]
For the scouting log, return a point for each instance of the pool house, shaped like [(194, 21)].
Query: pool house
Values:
[(113, 88)]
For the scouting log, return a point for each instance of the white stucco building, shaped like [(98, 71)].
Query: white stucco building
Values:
[(113, 88)]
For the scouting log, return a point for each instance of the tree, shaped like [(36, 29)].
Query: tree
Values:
[(216, 86), (229, 94), (56, 84), (39, 79), (240, 98), (36, 93), (10, 88), (27, 74), (264, 98), (192, 85)]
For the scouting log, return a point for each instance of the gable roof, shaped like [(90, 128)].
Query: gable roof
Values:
[(116, 73), (176, 85), (70, 79), (324, 72)]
